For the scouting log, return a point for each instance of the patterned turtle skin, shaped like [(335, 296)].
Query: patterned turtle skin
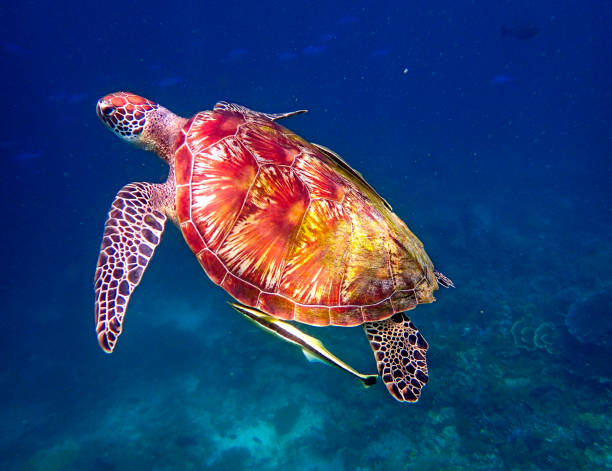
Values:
[(287, 227)]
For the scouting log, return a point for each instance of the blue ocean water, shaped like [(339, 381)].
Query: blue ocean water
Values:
[(485, 125)]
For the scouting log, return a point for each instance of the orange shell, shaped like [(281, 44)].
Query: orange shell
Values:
[(287, 227)]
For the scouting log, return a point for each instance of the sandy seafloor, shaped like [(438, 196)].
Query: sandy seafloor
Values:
[(494, 149)]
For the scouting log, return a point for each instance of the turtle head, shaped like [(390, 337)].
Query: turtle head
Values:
[(141, 122)]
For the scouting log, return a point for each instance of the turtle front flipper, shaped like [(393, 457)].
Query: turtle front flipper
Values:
[(131, 234), (400, 352)]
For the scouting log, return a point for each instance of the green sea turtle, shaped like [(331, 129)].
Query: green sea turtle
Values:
[(285, 226)]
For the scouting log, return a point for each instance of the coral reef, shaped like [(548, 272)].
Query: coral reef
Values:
[(533, 336)]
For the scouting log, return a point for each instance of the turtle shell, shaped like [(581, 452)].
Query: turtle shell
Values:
[(289, 228)]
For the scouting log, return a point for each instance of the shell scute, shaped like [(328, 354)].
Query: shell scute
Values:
[(314, 315), (192, 237), (320, 178), (316, 260), (378, 311), (404, 300), (346, 315), (219, 186), (269, 143), (276, 305), (183, 204), (367, 278), (242, 291), (209, 127), (256, 247), (212, 265)]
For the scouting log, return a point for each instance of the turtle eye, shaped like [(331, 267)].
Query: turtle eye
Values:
[(105, 110)]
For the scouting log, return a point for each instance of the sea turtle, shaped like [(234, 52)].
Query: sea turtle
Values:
[(285, 226)]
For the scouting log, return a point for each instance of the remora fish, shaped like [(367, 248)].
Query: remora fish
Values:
[(312, 348)]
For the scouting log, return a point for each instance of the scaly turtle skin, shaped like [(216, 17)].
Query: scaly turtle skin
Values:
[(283, 225)]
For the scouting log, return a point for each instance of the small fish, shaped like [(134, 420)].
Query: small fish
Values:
[(312, 348)]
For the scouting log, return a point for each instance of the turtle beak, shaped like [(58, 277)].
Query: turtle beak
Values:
[(103, 109)]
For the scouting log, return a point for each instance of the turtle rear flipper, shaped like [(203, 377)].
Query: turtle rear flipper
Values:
[(400, 352), (132, 231)]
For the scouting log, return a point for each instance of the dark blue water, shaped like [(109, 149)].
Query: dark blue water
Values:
[(485, 125)]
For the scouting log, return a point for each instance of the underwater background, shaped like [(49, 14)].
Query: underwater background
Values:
[(486, 125)]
